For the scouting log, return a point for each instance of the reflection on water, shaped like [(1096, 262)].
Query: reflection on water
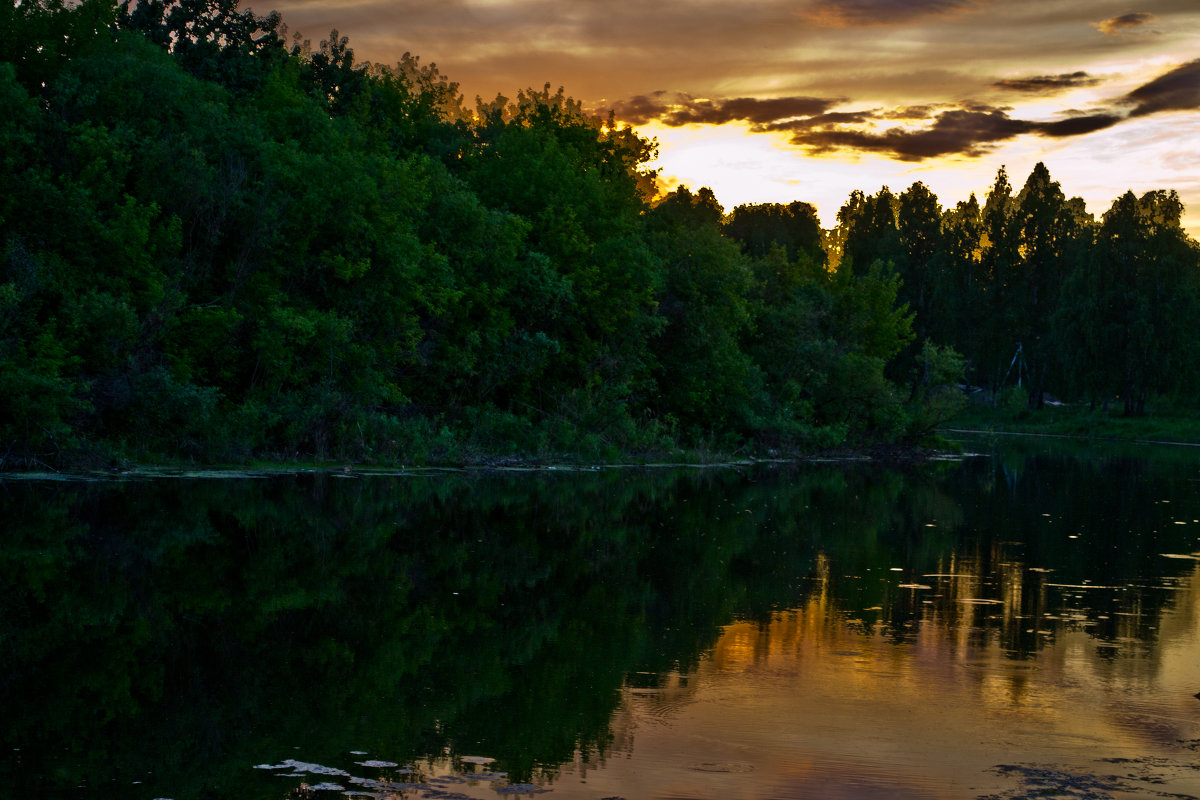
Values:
[(818, 696), (1025, 623)]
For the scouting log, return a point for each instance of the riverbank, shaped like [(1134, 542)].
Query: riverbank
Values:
[(467, 461), (891, 456), (1168, 426)]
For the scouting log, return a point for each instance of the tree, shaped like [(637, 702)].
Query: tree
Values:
[(1135, 303), (919, 218), (1048, 230), (958, 288), (870, 328), (867, 231), (999, 259), (39, 37), (704, 378), (577, 182), (795, 227), (213, 40)]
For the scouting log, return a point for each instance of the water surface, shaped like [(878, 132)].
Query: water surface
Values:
[(1023, 623)]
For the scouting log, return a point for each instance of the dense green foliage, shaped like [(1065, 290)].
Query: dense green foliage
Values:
[(1038, 296), (221, 243)]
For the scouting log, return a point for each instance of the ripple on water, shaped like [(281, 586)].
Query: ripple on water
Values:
[(723, 766)]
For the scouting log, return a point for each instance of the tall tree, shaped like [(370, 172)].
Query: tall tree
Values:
[(1048, 236), (1135, 303), (999, 259), (918, 223), (868, 231), (960, 288)]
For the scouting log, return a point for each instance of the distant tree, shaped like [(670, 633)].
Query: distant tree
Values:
[(999, 263), (1134, 304), (868, 231), (918, 224), (795, 227), (1049, 238), (959, 290)]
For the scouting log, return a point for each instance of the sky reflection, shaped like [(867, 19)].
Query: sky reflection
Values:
[(925, 697)]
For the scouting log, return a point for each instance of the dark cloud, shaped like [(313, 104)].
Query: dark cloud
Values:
[(827, 120), (1076, 126), (910, 112), (1116, 25), (972, 129), (641, 109), (958, 132), (967, 129), (1177, 90), (683, 109), (847, 13), (1047, 84), (754, 110), (966, 132)]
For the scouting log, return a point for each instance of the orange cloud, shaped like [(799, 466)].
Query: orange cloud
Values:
[(1117, 25), (683, 109), (964, 131), (1047, 84), (959, 129), (857, 13)]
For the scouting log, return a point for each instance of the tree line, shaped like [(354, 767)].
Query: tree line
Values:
[(1036, 293), (223, 243)]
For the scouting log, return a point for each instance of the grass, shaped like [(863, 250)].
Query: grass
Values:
[(1163, 422)]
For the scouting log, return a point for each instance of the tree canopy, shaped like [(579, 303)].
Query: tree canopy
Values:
[(219, 242)]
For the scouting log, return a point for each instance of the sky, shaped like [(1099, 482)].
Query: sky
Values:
[(782, 100)]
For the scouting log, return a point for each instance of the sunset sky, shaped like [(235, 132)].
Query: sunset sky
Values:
[(781, 100)]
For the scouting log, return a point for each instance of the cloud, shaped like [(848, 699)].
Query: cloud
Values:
[(952, 132), (1047, 84), (683, 109), (639, 110), (927, 131), (832, 119), (963, 131), (1076, 126), (1115, 26), (1177, 90), (857, 13), (878, 51), (910, 112)]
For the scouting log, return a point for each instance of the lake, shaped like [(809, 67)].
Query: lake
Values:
[(1020, 622)]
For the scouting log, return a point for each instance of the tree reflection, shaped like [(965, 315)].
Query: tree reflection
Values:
[(195, 628)]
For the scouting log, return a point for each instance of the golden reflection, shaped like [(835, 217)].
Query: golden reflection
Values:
[(994, 664)]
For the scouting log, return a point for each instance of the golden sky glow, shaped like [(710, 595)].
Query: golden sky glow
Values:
[(781, 100)]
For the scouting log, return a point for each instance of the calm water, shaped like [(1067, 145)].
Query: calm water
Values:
[(1025, 623)]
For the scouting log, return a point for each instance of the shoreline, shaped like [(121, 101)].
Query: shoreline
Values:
[(886, 455)]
